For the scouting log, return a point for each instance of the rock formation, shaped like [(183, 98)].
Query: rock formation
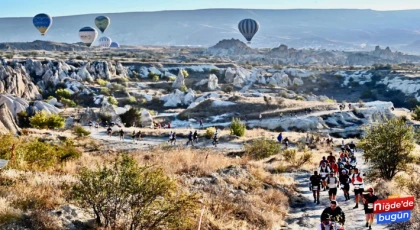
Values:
[(146, 119), (179, 81), (16, 81), (7, 121), (213, 82)]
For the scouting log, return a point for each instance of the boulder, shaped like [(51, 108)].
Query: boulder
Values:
[(202, 82), (87, 116), (47, 108), (279, 79), (108, 110), (238, 81), (84, 74), (229, 75), (121, 70), (297, 81), (146, 119), (179, 81), (174, 99), (17, 82), (14, 104), (189, 97), (7, 121), (213, 82)]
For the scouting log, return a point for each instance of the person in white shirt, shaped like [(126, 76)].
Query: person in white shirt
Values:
[(332, 183), (326, 224), (324, 170)]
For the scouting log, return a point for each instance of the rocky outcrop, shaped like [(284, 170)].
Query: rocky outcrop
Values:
[(146, 119), (87, 116), (178, 98), (16, 81), (7, 121), (213, 82), (279, 79), (229, 75), (230, 47), (179, 81), (108, 110)]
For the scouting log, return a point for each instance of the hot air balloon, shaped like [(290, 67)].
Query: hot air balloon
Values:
[(88, 35), (102, 22), (115, 45), (42, 22), (105, 41), (248, 28)]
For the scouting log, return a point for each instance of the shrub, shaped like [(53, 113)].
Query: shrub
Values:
[(132, 100), (299, 98), (183, 88), (289, 155), (62, 93), (263, 148), (388, 148), (112, 101), (237, 128), (105, 118), (23, 119), (68, 102), (80, 131), (171, 78), (105, 91), (155, 78), (147, 198), (227, 88), (43, 120), (131, 117), (210, 132), (185, 73), (101, 82), (416, 113)]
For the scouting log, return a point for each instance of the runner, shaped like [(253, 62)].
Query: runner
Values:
[(357, 181), (260, 116), (195, 136), (345, 183), (90, 124), (121, 135), (109, 131), (352, 147), (331, 158), (368, 201), (133, 135), (201, 123), (170, 137), (340, 165), (334, 168), (324, 171), (215, 139), (97, 126), (139, 136), (315, 186), (327, 224), (332, 183), (280, 137), (190, 139), (286, 142), (353, 161), (323, 161), (173, 138), (335, 213)]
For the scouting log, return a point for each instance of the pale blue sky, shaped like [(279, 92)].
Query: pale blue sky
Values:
[(25, 8)]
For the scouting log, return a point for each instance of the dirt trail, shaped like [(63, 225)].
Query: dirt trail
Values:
[(305, 215)]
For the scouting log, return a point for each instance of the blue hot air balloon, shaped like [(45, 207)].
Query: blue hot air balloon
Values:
[(248, 28), (42, 22), (115, 45)]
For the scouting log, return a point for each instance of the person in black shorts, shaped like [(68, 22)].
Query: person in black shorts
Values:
[(357, 181), (315, 186), (368, 201), (332, 183), (345, 183)]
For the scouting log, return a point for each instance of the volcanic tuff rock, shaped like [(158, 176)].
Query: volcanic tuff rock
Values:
[(16, 81), (212, 82), (179, 81), (146, 119), (7, 121)]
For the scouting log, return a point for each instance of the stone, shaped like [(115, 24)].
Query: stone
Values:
[(179, 81), (7, 121), (17, 82), (212, 82), (87, 116), (229, 75), (146, 119), (297, 81), (109, 110)]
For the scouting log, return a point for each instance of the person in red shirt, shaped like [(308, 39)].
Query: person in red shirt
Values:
[(357, 181), (334, 168), (331, 158)]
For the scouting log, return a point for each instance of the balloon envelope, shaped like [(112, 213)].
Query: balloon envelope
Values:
[(248, 28), (42, 22), (102, 22), (105, 41), (115, 45), (88, 35)]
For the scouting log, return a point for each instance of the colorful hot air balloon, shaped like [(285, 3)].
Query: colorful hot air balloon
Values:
[(248, 28), (105, 41), (102, 22), (42, 22), (88, 35), (115, 45)]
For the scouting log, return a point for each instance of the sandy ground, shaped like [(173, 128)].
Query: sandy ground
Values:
[(306, 215)]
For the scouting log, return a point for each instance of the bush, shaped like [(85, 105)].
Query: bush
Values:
[(291, 154), (171, 78), (23, 119), (237, 128), (105, 91), (227, 88), (416, 113), (388, 147), (263, 148), (101, 82), (132, 100), (210, 131), (185, 73), (68, 102), (112, 101), (183, 88), (155, 78), (147, 198), (62, 93), (80, 131), (131, 117), (43, 120)]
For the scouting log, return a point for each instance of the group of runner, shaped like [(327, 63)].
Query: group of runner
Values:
[(341, 172)]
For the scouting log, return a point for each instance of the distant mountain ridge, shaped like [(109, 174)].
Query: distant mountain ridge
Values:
[(329, 29)]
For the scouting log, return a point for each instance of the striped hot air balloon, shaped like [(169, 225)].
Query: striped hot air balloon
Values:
[(248, 28), (88, 35), (42, 22), (102, 22), (105, 41), (115, 45)]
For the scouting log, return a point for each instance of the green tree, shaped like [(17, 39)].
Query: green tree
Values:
[(388, 148), (112, 101), (416, 113), (43, 120), (237, 128), (137, 197), (62, 93), (131, 117)]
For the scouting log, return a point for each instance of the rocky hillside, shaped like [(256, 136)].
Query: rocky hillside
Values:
[(42, 45)]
